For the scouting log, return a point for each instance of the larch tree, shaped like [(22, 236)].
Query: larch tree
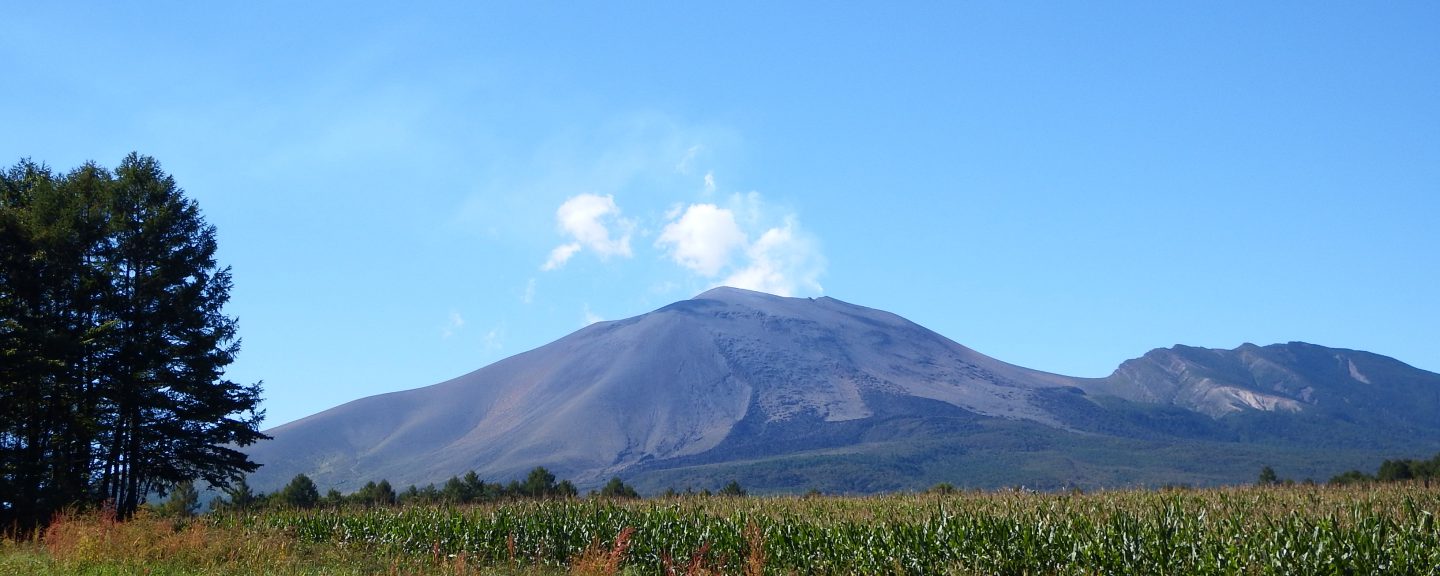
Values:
[(113, 343)]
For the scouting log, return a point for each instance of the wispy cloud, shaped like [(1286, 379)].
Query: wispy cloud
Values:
[(452, 325), (529, 295), (560, 255), (591, 317), (683, 166), (494, 339), (591, 221)]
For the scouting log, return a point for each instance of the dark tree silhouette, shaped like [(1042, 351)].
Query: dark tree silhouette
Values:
[(732, 489), (300, 492), (1268, 477), (114, 343), (615, 488)]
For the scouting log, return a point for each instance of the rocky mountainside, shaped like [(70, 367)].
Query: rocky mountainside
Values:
[(794, 393), (1294, 377)]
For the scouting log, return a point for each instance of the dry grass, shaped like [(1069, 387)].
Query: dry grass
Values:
[(599, 561), (80, 541), (98, 544)]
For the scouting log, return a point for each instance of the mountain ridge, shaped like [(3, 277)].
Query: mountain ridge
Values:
[(730, 376)]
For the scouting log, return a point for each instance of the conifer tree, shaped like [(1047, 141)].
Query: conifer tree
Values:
[(113, 342), (300, 492)]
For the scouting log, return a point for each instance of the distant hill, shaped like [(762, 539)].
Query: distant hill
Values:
[(790, 394)]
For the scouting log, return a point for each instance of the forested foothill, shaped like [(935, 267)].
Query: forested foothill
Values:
[(113, 343)]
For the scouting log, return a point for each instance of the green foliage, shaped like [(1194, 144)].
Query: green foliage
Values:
[(732, 489), (463, 490), (239, 496), (1395, 470), (566, 489), (942, 488), (1268, 477), (184, 501), (1352, 477), (113, 342), (472, 485), (616, 488), (375, 494), (540, 482), (456, 492), (300, 493), (1398, 470)]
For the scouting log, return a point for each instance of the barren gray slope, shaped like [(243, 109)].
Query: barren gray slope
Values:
[(666, 384), (732, 375)]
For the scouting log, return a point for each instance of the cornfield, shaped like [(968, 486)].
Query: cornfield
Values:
[(1272, 530)]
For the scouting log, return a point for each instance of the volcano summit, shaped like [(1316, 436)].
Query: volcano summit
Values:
[(790, 394)]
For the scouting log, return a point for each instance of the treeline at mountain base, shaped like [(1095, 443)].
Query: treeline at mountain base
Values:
[(1397, 470), (113, 343), (302, 493)]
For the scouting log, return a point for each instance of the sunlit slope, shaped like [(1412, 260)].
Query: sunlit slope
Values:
[(733, 377)]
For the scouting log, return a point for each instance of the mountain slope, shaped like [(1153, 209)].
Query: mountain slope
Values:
[(736, 378), (1294, 377)]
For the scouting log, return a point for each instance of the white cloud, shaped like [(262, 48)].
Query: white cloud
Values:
[(589, 219), (710, 182), (784, 261), (712, 241), (494, 339), (703, 238), (560, 255), (529, 295), (591, 317)]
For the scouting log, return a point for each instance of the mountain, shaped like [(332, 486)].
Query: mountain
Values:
[(795, 393)]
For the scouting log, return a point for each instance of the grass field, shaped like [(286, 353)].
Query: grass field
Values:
[(1389, 529)]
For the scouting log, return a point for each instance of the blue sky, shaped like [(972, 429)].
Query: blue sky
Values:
[(407, 192)]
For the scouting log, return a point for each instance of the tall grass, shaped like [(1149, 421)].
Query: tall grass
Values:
[(1294, 530)]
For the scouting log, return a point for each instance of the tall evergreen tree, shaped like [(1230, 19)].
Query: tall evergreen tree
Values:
[(113, 342), (617, 488), (27, 374), (50, 232), (184, 501), (172, 405), (539, 483), (300, 492), (239, 496)]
